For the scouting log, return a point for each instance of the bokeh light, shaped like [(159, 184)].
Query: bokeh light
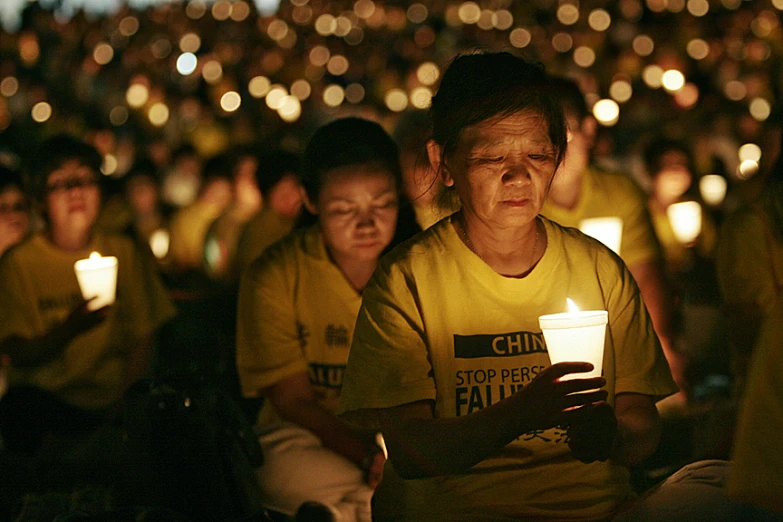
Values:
[(749, 152), (230, 101), (158, 114), (672, 80), (186, 63), (396, 100), (41, 112), (606, 112), (258, 86)]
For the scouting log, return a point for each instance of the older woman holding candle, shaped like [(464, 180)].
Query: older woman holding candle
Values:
[(448, 360), (71, 361)]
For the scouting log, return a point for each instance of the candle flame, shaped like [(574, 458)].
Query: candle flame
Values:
[(95, 255), (572, 308)]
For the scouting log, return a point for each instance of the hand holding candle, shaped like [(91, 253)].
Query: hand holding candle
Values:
[(97, 278), (576, 336)]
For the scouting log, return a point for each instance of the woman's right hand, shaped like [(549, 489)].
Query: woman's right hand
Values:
[(550, 401), (82, 319)]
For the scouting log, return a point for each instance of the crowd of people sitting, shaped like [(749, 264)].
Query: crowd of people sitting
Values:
[(292, 325)]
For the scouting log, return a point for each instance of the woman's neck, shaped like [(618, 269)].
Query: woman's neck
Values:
[(510, 252), (68, 239), (356, 272)]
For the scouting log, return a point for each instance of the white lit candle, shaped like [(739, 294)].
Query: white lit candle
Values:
[(576, 336), (607, 230), (685, 219), (97, 278)]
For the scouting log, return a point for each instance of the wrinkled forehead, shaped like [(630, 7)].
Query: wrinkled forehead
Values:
[(528, 126)]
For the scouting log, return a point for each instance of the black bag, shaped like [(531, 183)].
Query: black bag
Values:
[(199, 447)]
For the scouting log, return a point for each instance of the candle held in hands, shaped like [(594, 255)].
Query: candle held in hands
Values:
[(576, 336), (97, 277)]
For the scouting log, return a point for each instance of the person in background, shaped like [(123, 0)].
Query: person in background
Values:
[(70, 364), (749, 262), (150, 217), (223, 236), (448, 359), (670, 167), (756, 474), (278, 180), (189, 225), (431, 200), (182, 181), (14, 209), (580, 191), (297, 307)]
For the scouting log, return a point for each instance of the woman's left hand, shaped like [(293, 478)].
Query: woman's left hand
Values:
[(592, 433)]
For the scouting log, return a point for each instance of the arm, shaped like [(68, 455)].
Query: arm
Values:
[(421, 445), (659, 301), (294, 400), (638, 428), (627, 434), (37, 351)]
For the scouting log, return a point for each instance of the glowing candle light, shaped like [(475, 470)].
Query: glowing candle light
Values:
[(607, 230), (685, 219), (97, 277), (576, 336)]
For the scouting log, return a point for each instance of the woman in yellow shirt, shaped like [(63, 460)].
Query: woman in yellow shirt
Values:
[(297, 307)]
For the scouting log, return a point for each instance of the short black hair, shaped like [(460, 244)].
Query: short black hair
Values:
[(661, 145), (478, 86), (571, 96), (273, 166), (52, 153), (345, 142), (10, 178)]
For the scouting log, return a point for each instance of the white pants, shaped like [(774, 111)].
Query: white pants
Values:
[(695, 493), (297, 468)]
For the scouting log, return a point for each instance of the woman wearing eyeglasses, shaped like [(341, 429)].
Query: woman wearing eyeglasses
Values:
[(70, 365)]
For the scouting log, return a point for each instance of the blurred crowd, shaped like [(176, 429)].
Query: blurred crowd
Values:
[(203, 190)]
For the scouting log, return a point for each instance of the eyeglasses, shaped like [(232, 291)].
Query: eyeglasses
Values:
[(19, 206), (66, 184)]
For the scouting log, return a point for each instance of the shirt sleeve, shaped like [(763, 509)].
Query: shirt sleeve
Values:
[(640, 365), (389, 362), (268, 342), (640, 244), (743, 263)]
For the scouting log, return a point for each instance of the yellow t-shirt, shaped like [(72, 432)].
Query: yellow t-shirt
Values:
[(38, 289), (263, 229), (188, 232), (756, 474), (437, 323), (749, 259), (296, 314), (608, 194)]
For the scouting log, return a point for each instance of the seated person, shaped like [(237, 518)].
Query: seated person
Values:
[(14, 209), (70, 364), (189, 225), (277, 179), (297, 307), (581, 191), (749, 261), (448, 359), (756, 475)]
